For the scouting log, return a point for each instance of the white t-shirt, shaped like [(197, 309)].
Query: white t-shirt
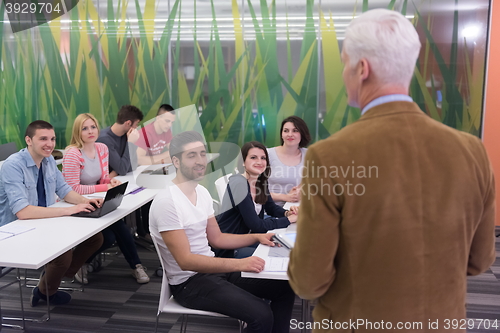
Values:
[(172, 210), (258, 207)]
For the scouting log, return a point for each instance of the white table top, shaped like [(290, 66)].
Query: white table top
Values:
[(262, 251), (54, 236), (287, 205)]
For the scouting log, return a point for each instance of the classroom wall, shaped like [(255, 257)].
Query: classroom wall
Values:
[(491, 134)]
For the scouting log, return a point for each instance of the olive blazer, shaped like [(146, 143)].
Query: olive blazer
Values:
[(396, 210)]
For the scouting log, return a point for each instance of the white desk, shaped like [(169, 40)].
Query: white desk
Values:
[(262, 251), (287, 205), (54, 236)]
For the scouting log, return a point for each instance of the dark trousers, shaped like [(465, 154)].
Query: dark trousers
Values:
[(120, 233), (142, 219), (241, 298), (67, 264)]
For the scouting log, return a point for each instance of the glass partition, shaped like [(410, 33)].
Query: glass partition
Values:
[(245, 65)]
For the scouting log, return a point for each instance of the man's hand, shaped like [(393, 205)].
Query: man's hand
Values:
[(265, 239), (97, 202), (114, 182), (132, 135), (251, 264), (84, 207)]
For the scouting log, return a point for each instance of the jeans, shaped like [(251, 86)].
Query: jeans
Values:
[(67, 264), (244, 252), (119, 232), (240, 298)]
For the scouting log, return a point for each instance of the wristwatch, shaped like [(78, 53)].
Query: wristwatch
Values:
[(287, 213)]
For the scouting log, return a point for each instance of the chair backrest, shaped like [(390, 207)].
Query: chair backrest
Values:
[(221, 186), (7, 149), (165, 288)]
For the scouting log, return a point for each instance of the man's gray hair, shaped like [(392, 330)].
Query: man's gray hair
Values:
[(388, 41)]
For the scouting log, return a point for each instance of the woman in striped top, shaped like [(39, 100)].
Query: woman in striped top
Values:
[(85, 169), (85, 164)]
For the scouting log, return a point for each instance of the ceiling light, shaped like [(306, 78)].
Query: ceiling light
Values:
[(471, 31)]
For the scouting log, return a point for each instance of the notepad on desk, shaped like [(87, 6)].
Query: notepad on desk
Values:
[(12, 229), (276, 264)]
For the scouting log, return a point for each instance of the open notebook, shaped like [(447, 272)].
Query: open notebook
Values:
[(12, 229)]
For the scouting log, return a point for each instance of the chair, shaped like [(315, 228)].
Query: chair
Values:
[(221, 186), (4, 271), (7, 149), (168, 304)]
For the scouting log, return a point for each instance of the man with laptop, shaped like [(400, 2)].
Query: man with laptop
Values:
[(29, 182), (182, 225)]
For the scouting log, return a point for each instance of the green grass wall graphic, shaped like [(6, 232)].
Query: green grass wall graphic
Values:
[(96, 63)]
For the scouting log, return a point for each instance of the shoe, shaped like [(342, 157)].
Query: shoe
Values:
[(81, 275), (59, 298), (139, 273), (36, 295)]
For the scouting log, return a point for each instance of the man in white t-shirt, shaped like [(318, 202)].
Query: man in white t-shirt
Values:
[(182, 223)]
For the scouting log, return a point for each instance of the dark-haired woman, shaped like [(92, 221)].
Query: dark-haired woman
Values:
[(287, 161), (247, 198)]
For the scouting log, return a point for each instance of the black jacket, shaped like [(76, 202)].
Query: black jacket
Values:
[(238, 211)]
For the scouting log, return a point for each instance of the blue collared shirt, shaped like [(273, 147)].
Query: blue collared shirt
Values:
[(18, 179), (386, 99)]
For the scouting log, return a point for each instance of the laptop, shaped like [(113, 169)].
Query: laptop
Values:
[(112, 200)]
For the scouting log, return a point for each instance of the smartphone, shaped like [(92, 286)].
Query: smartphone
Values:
[(283, 241)]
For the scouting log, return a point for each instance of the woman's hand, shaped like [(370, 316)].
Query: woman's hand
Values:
[(114, 182), (293, 214), (294, 210), (294, 194), (293, 218)]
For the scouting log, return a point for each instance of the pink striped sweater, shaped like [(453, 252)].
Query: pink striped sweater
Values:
[(73, 164)]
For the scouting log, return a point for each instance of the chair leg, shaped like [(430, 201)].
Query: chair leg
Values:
[(23, 327), (157, 319), (18, 276), (184, 323)]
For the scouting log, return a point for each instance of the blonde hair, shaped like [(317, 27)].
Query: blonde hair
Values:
[(76, 133)]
